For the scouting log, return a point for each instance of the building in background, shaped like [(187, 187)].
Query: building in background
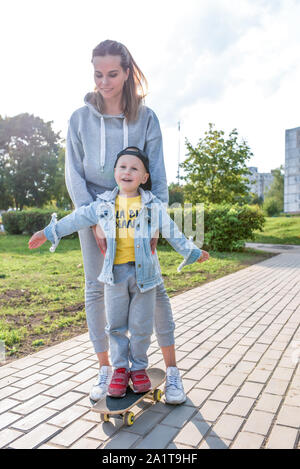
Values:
[(259, 182), (292, 171)]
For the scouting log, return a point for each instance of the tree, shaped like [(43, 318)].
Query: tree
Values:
[(176, 194), (215, 170), (28, 159), (276, 191)]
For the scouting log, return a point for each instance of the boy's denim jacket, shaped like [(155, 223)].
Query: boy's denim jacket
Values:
[(152, 217)]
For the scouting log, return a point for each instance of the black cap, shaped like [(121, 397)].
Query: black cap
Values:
[(135, 151)]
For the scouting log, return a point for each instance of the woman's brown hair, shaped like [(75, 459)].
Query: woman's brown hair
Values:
[(135, 85)]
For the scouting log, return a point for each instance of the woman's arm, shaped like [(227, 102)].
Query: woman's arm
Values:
[(74, 171)]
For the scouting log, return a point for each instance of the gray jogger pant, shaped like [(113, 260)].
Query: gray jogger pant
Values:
[(128, 311), (94, 299)]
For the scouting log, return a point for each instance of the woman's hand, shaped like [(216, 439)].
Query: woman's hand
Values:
[(154, 241), (37, 240), (100, 238), (204, 257)]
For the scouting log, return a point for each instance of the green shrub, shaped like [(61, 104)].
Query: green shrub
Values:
[(271, 207), (29, 221)]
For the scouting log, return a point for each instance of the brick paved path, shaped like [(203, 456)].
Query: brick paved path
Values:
[(238, 347)]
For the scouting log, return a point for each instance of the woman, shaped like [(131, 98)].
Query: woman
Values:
[(113, 118)]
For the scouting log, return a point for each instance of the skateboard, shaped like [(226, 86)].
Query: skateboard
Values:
[(120, 407)]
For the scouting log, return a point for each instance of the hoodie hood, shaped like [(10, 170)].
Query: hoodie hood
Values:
[(102, 117)]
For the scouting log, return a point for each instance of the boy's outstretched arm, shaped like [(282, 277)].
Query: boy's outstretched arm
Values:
[(81, 218)]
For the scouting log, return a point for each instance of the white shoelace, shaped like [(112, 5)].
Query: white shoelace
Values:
[(174, 381), (103, 379)]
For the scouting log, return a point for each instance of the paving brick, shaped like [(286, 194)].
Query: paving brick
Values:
[(86, 443), (61, 388), (8, 391), (268, 403), (26, 382), (58, 378), (67, 416), (30, 371), (240, 406), (214, 442), (211, 410), (259, 422), (8, 435), (259, 376), (179, 416), (282, 438), (235, 378), (250, 389), (7, 404), (284, 374), (31, 391), (123, 440), (289, 416), (246, 440), (196, 397), (210, 382), (192, 433), (56, 368), (293, 397), (32, 404), (223, 393), (7, 419), (228, 426), (64, 401), (73, 433), (186, 363), (276, 386), (36, 437), (33, 419)]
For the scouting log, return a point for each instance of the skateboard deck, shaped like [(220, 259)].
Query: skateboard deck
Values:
[(120, 407)]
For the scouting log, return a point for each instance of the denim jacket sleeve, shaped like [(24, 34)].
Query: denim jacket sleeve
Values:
[(169, 230), (81, 218)]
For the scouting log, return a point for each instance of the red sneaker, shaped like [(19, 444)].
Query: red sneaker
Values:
[(119, 382), (140, 381)]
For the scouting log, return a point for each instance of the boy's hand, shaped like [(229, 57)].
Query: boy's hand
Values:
[(37, 240), (100, 238), (204, 257)]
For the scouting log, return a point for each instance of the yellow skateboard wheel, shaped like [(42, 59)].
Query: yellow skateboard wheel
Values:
[(104, 417), (128, 418), (157, 395)]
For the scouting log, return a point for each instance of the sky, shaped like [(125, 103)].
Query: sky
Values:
[(234, 63)]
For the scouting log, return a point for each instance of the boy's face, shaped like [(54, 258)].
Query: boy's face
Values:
[(130, 172)]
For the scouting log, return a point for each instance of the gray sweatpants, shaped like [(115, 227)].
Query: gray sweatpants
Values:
[(94, 299), (128, 311)]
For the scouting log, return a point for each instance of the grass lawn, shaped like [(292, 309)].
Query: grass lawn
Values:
[(280, 230), (42, 294)]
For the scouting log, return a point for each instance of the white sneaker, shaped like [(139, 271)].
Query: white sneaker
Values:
[(99, 389), (174, 392)]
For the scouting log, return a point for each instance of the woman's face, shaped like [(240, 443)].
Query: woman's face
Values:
[(109, 76)]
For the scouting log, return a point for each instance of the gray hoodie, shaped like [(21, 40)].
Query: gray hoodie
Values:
[(93, 142)]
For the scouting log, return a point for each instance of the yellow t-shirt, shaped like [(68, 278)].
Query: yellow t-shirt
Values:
[(127, 210)]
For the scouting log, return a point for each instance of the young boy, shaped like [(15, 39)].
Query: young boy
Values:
[(128, 218)]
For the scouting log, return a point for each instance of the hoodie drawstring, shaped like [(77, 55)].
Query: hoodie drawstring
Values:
[(103, 146)]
